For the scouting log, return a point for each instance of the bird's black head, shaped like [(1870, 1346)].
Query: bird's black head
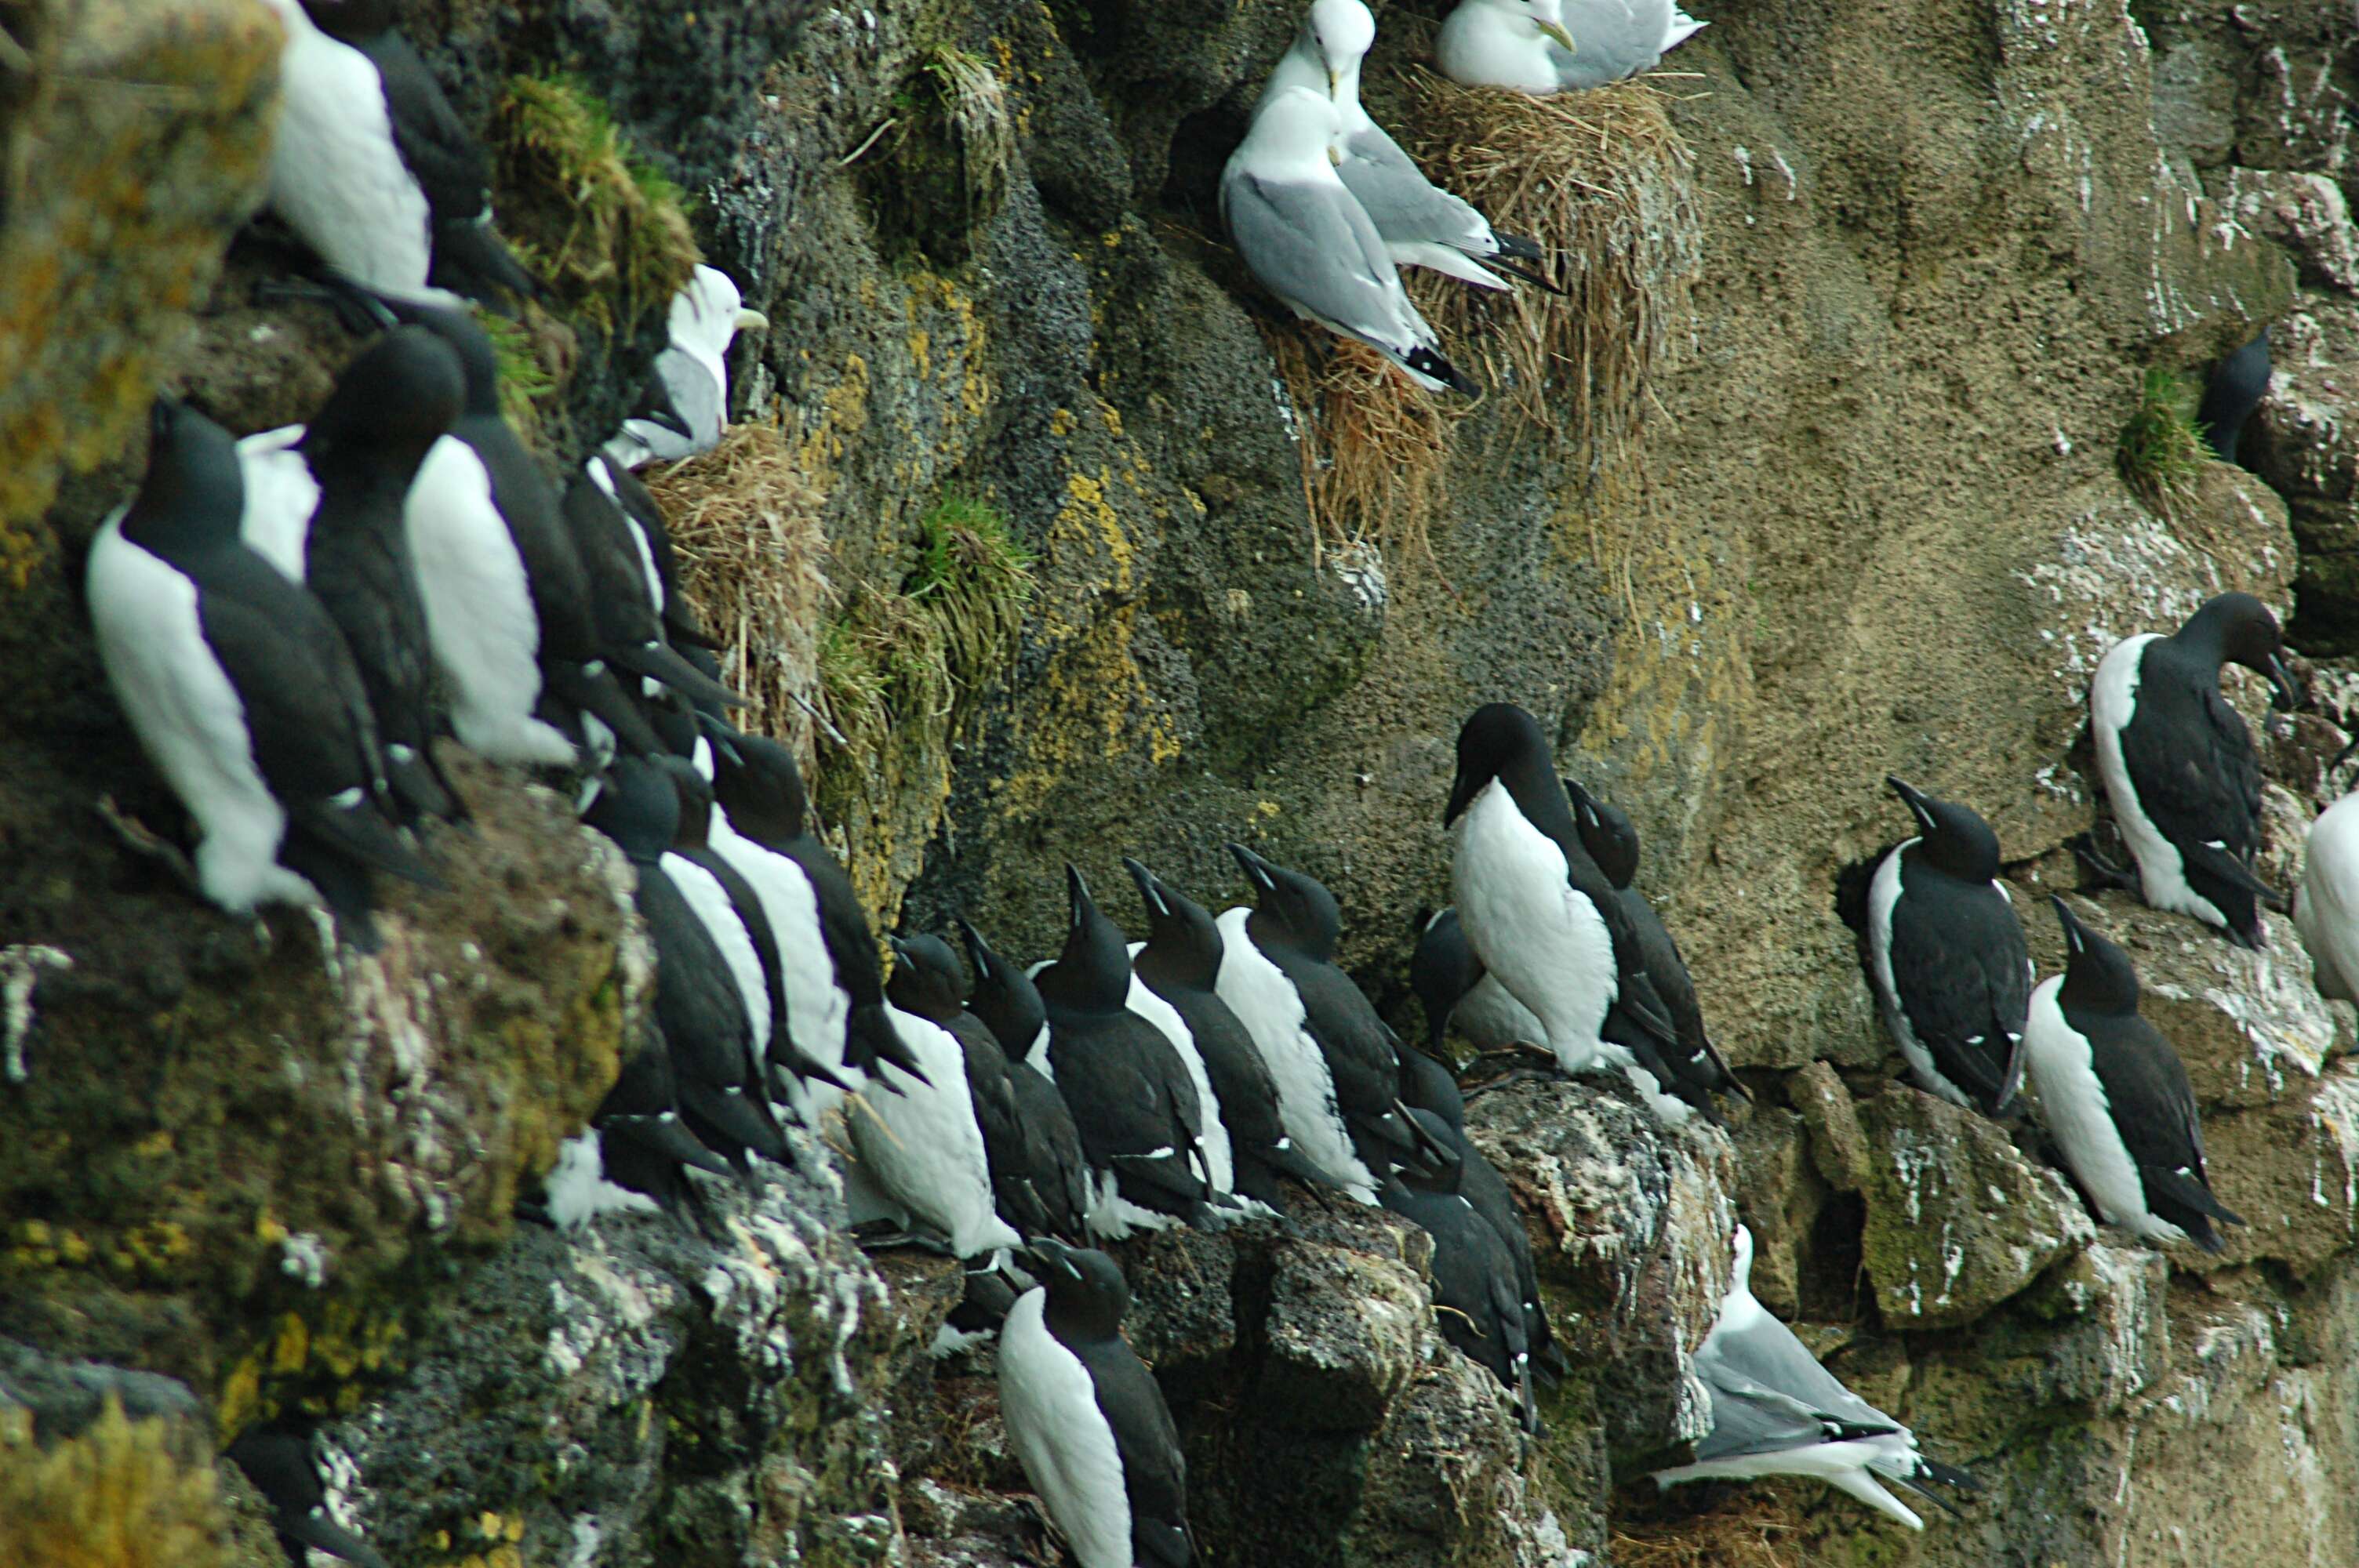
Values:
[(1183, 945), (695, 802), (1437, 1165), (1954, 838), (757, 784), (479, 365), (1004, 997), (393, 402), (1290, 907), (927, 980), (353, 21), (1610, 838), (636, 806), (1441, 971), (1092, 973), (672, 719), (1428, 1085), (1499, 741), (2098, 976), (191, 495), (1087, 1294), (2237, 629)]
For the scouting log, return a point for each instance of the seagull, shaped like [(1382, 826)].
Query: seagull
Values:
[(1776, 1411), (1421, 225), (1311, 243)]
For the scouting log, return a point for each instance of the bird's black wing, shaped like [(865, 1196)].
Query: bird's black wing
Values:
[(1963, 982), (306, 710), (2191, 758), (1154, 1468), (2153, 1105)]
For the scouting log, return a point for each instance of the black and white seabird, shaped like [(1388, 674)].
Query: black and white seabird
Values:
[(1429, 1087), (726, 900), (279, 1461), (1009, 1007), (2237, 385), (1697, 1070), (1133, 1098), (2326, 906), (2179, 764), (1457, 992), (691, 381), (242, 691), (1944, 956), (1087, 1419), (1477, 1295), (1290, 993), (509, 602), (835, 981), (1181, 962), (625, 590), (1421, 225), (1776, 1411), (634, 1156), (2115, 1095), (651, 531), (372, 168), (923, 1145), (323, 504), (699, 1001), (1536, 910), (1039, 1178)]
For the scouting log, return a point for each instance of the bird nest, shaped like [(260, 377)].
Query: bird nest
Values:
[(745, 527), (1741, 1526), (1602, 180)]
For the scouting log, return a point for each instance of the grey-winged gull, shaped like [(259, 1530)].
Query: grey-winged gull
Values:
[(1422, 225), (692, 373), (1309, 242), (1776, 1411), (1542, 46)]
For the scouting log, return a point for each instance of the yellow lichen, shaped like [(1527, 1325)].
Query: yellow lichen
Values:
[(120, 1494)]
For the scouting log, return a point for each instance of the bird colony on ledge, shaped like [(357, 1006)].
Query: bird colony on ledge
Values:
[(293, 620)]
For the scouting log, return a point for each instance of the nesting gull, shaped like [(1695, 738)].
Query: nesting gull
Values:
[(1309, 242), (1542, 46), (1422, 225)]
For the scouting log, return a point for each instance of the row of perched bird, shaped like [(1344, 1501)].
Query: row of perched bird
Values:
[(1325, 207), (292, 621)]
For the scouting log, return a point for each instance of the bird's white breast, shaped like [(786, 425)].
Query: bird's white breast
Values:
[(2073, 1103), (280, 497), (920, 1142), (2326, 909), (1548, 943), (1214, 1137), (1062, 1437), (189, 718), (2113, 702), (336, 175), (1266, 1003), (709, 900)]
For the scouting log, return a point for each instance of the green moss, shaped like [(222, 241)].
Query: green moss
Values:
[(2162, 451), (610, 230), (974, 577), (524, 381)]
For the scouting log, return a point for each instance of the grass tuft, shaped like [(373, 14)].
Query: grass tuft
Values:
[(974, 578), (611, 231), (745, 527), (2162, 452), (974, 105), (525, 380)]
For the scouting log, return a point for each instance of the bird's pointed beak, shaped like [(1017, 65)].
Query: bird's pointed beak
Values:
[(1463, 791), (753, 321), (1334, 80), (1150, 891), (2284, 692), (1556, 35), (1077, 891), (1255, 868), (1914, 799), (2076, 935), (978, 951)]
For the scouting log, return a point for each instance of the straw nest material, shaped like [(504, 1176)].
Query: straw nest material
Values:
[(745, 526)]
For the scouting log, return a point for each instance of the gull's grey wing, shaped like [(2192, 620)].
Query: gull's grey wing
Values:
[(1617, 38), (1315, 248), (1399, 200), (1765, 1362)]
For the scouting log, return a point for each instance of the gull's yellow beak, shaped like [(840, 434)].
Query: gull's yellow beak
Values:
[(1334, 80), (1556, 33), (1334, 154), (753, 321)]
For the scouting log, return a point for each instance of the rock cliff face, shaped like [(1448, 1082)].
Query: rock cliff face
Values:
[(1869, 294)]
